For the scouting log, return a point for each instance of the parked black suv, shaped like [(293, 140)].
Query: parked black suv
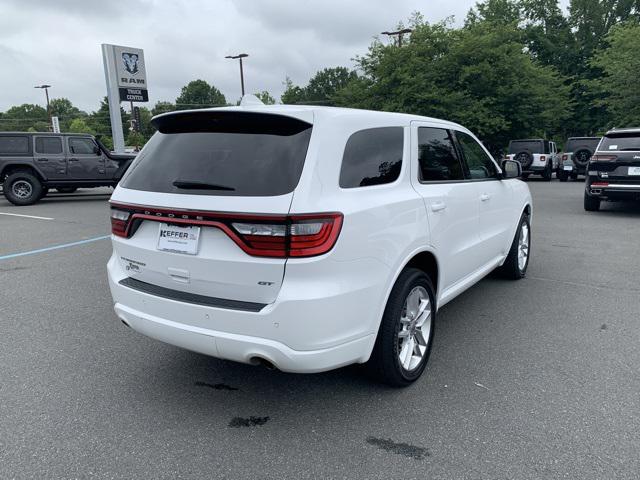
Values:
[(576, 155), (32, 163), (613, 172)]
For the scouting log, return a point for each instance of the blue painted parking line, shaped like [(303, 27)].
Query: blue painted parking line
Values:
[(54, 247)]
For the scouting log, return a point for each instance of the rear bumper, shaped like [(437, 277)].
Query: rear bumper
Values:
[(312, 327), (243, 348), (615, 191)]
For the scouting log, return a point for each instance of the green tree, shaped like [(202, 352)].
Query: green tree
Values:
[(265, 97), (79, 125), (65, 111), (322, 87), (619, 85), (481, 76), (22, 117), (199, 94), (162, 107)]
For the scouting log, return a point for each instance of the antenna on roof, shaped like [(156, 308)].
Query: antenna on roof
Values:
[(248, 100)]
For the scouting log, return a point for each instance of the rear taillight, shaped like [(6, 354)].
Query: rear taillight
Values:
[(542, 158), (565, 157), (603, 158), (276, 236), (600, 184), (119, 222)]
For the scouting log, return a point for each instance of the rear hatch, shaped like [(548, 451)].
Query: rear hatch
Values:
[(526, 151), (203, 180), (618, 158)]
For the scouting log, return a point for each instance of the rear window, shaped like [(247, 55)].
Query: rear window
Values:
[(531, 146), (372, 157), (222, 153), (14, 144), (629, 142), (575, 144)]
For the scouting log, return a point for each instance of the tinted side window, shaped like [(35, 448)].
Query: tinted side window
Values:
[(437, 156), (81, 146), (14, 144), (372, 157), (51, 145), (478, 162)]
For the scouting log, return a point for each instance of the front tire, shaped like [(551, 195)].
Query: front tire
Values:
[(403, 345), (515, 266), (22, 188)]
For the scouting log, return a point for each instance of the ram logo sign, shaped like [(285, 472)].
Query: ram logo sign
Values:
[(131, 73), (130, 61)]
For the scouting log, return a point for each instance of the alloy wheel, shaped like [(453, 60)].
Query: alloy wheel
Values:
[(523, 246), (22, 189), (415, 329)]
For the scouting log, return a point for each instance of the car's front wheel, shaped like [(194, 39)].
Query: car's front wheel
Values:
[(405, 336), (515, 266), (22, 188)]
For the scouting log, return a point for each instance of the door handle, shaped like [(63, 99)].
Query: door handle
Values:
[(43, 159), (436, 207), (73, 159), (485, 197)]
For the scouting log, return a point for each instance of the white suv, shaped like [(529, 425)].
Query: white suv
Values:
[(308, 238)]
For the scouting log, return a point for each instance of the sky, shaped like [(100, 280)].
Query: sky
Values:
[(57, 42)]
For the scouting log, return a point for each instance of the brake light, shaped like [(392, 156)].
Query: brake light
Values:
[(565, 157), (600, 184), (279, 236), (119, 222), (542, 158), (603, 158)]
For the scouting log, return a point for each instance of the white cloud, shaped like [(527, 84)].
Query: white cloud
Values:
[(59, 42)]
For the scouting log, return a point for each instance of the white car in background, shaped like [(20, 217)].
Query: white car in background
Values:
[(309, 238)]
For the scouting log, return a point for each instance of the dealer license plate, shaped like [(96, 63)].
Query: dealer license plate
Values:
[(172, 238)]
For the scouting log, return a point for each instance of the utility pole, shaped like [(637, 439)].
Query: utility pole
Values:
[(46, 92), (399, 34), (239, 57)]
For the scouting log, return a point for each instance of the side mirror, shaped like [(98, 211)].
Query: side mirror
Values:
[(511, 169)]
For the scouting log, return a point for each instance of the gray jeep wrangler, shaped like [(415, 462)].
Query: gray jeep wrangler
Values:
[(32, 163)]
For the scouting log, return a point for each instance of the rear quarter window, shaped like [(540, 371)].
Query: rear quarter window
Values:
[(14, 144), (222, 154), (372, 157)]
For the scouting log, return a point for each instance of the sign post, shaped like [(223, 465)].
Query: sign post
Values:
[(55, 124), (126, 78)]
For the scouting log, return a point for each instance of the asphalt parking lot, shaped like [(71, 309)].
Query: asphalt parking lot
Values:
[(531, 379)]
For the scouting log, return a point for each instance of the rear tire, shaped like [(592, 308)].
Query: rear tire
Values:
[(403, 345), (22, 188), (563, 177), (515, 266), (547, 173), (591, 204)]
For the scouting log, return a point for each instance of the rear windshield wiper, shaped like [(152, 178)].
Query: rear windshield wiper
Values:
[(195, 185)]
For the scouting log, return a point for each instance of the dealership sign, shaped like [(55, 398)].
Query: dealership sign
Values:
[(131, 72), (126, 79)]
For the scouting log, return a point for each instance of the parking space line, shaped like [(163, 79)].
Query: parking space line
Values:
[(54, 247), (26, 216)]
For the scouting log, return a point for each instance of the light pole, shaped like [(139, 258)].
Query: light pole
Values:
[(399, 34), (239, 57), (46, 92)]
